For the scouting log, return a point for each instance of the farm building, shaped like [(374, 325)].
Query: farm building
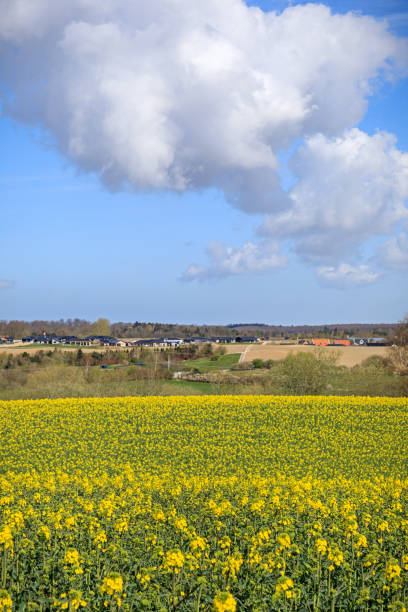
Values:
[(52, 339), (105, 341), (160, 342)]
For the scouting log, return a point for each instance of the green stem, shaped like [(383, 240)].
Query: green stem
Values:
[(197, 606), (4, 569)]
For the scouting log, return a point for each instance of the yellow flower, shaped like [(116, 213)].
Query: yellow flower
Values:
[(263, 536), (75, 600), (70, 522), (321, 546), (144, 580), (72, 602), (334, 554), (276, 500), (5, 601), (122, 524), (173, 560), (257, 506), (112, 583), (197, 544), (44, 532), (180, 523), (225, 542), (6, 537), (362, 541), (284, 541), (233, 565), (393, 570), (71, 556), (159, 515), (284, 586), (100, 539), (16, 519), (224, 602)]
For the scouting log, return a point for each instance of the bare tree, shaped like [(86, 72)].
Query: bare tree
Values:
[(399, 351)]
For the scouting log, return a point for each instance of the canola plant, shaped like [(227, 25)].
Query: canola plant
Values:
[(218, 503)]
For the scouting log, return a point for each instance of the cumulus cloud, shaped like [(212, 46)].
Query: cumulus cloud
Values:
[(6, 284), (394, 252), (349, 188), (181, 95), (345, 275), (233, 261)]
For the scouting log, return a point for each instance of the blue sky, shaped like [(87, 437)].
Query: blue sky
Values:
[(80, 241)]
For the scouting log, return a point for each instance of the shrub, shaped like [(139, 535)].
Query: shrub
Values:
[(307, 373), (244, 365), (376, 362)]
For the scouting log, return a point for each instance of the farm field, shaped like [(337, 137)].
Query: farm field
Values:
[(224, 503), (347, 355), (18, 349)]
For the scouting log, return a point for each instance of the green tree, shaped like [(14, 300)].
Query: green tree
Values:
[(101, 327)]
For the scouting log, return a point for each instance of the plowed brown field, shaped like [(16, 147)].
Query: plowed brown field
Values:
[(17, 349), (347, 355)]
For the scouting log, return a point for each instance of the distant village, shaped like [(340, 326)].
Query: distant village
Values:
[(110, 341)]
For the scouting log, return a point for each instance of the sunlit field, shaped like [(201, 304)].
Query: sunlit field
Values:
[(218, 503)]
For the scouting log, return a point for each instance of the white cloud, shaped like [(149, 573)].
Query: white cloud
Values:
[(345, 275), (394, 253), (232, 261), (349, 188), (180, 95), (6, 284)]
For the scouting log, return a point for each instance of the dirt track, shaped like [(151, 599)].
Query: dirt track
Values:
[(347, 355)]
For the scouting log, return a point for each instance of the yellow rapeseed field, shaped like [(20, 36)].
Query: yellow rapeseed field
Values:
[(216, 503)]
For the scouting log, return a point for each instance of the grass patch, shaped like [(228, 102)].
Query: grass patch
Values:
[(181, 386), (208, 364)]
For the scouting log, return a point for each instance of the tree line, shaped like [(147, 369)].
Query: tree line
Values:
[(102, 326)]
